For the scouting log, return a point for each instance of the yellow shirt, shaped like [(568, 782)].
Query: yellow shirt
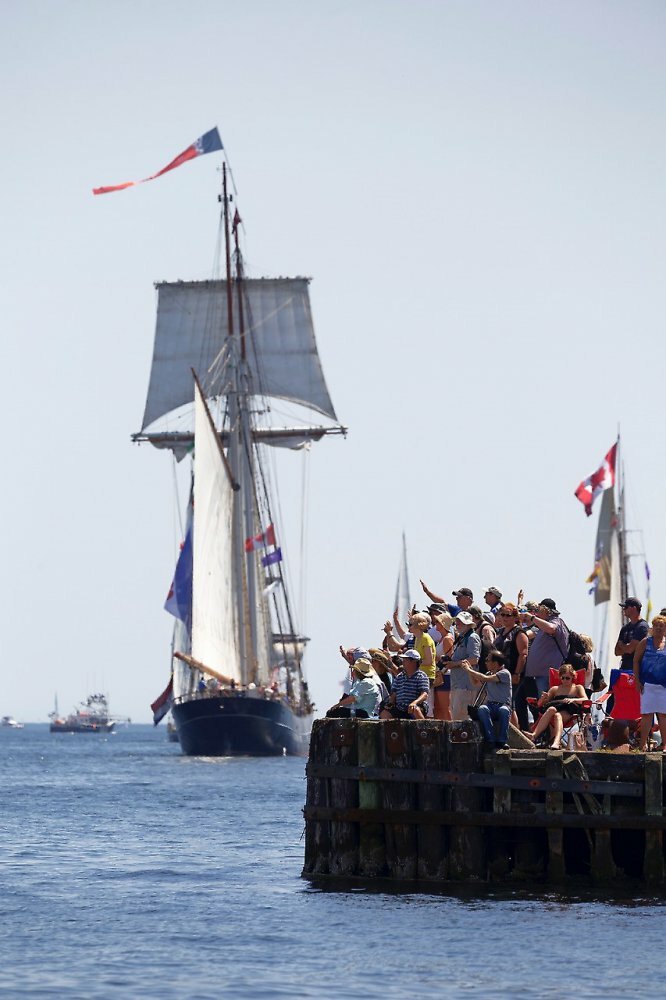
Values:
[(421, 646)]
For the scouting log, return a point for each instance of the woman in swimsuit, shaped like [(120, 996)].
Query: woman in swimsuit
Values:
[(560, 700)]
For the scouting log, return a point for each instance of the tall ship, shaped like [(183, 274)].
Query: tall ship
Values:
[(91, 716), (228, 354), (615, 577)]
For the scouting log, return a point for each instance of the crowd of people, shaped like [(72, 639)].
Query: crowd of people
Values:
[(454, 660)]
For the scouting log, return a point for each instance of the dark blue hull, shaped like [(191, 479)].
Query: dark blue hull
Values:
[(229, 726)]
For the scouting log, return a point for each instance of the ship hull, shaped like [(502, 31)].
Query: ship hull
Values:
[(232, 726), (66, 727)]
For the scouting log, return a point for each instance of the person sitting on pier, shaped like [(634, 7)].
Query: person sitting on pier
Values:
[(560, 705), (650, 675), (383, 666), (497, 707), (617, 738), (410, 689), (364, 695)]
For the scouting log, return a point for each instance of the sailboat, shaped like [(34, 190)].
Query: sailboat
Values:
[(611, 579), (403, 602), (233, 346)]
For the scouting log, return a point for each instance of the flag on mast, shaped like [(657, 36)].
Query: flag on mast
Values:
[(161, 705), (209, 142), (602, 479), (261, 540)]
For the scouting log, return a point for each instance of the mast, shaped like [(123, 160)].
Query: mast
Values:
[(235, 454), (247, 456), (621, 526)]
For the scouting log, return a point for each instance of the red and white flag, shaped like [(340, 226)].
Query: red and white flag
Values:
[(601, 480), (261, 540), (210, 142)]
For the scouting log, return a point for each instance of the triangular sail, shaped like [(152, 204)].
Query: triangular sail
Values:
[(214, 625), (402, 599), (192, 327)]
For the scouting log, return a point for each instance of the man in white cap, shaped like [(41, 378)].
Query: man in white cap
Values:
[(467, 649)]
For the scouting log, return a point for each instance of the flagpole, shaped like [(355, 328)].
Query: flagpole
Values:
[(621, 533)]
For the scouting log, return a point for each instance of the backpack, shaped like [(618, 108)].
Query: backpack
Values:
[(576, 653), (485, 649)]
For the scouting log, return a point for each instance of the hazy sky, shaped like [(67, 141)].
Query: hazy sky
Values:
[(477, 189)]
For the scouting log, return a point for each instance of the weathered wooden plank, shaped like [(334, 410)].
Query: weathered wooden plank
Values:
[(555, 807), (429, 752), (498, 846), (653, 860), (372, 846), (573, 765), (467, 851), (455, 817), (344, 793), (399, 800), (317, 832), (517, 741), (533, 783)]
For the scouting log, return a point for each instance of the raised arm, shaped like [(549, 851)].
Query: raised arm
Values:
[(398, 626), (433, 597)]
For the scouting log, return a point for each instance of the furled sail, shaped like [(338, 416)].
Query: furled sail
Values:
[(402, 599), (214, 626), (608, 591), (192, 327)]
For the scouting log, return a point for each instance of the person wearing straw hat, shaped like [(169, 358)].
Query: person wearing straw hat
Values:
[(364, 696)]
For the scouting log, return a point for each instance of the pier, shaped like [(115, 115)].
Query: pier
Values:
[(422, 801)]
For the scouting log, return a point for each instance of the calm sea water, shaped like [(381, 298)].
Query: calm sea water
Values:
[(128, 870)]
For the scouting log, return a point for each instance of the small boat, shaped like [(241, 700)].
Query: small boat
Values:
[(172, 732), (9, 722), (224, 348), (92, 716)]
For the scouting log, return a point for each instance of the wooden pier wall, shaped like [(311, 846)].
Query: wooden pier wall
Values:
[(421, 801)]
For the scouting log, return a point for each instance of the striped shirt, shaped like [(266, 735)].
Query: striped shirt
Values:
[(407, 689)]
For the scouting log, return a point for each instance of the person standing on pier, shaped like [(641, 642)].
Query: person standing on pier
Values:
[(467, 649), (631, 634), (650, 675), (547, 649)]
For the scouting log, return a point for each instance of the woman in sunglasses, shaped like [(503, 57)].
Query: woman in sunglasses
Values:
[(560, 704)]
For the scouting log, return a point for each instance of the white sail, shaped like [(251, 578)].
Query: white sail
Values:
[(214, 624), (192, 327), (402, 599), (608, 592)]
